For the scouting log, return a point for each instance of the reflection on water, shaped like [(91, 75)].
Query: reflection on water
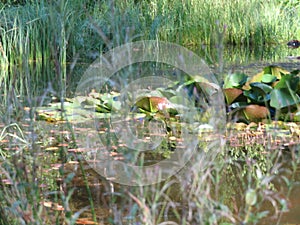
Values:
[(248, 60), (112, 199)]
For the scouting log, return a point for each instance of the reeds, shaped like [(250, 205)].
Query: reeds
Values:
[(42, 41)]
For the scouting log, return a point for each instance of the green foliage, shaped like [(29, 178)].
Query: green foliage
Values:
[(274, 90), (235, 80)]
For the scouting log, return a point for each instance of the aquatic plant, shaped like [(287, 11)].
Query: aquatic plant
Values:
[(271, 94)]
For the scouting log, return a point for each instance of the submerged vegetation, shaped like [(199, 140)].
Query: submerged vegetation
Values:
[(45, 46)]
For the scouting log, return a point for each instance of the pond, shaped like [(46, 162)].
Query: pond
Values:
[(114, 203), (237, 184), (103, 198)]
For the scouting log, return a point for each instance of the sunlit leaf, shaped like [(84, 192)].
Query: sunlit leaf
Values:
[(272, 70), (281, 98), (268, 78), (153, 104), (235, 80), (288, 81)]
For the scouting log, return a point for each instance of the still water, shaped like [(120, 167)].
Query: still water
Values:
[(112, 201)]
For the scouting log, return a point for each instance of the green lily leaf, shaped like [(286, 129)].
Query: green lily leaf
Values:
[(89, 101), (259, 92), (281, 98), (110, 102), (235, 80), (101, 108), (260, 87), (268, 78), (272, 70), (275, 70), (153, 104), (288, 81)]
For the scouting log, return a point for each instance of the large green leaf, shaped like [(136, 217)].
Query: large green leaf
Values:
[(288, 81), (271, 70), (259, 92), (110, 102), (261, 87), (268, 78), (235, 80), (281, 98), (275, 70)]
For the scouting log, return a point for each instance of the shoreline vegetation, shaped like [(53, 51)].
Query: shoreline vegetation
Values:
[(57, 36), (45, 47)]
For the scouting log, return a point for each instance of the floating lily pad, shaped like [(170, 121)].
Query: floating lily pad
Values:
[(153, 104)]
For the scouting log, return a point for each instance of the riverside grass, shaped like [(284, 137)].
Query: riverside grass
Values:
[(40, 38)]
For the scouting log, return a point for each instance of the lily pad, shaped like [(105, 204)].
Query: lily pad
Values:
[(288, 81), (271, 70), (281, 98), (153, 104), (235, 80), (259, 92), (268, 78)]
